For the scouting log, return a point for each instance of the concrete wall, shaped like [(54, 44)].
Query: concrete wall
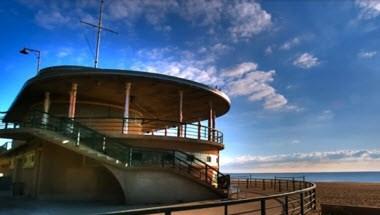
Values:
[(158, 186), (66, 175), (61, 174)]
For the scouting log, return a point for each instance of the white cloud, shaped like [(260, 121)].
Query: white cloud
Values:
[(275, 101), (290, 43), (296, 141), (312, 161), (241, 80), (242, 19), (306, 61), (203, 12), (326, 115), (245, 80), (368, 54), (368, 8), (153, 12), (64, 52), (240, 69), (248, 19), (185, 65), (268, 50), (51, 20)]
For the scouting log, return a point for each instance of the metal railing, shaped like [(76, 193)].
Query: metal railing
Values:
[(300, 200), (155, 127), (78, 134), (5, 146)]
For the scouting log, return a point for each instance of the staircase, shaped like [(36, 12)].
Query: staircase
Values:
[(75, 136)]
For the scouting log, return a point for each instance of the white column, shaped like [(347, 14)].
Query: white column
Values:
[(210, 122), (45, 116), (180, 114), (213, 125), (73, 100), (126, 107)]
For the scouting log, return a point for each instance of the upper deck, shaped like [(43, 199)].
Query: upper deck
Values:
[(151, 95)]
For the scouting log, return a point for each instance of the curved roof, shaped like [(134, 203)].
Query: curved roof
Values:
[(154, 95)]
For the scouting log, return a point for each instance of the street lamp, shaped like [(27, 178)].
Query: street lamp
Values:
[(37, 52)]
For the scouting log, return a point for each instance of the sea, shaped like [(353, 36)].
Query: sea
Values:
[(366, 177)]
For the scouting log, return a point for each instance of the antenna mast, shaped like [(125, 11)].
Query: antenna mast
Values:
[(98, 34), (99, 27)]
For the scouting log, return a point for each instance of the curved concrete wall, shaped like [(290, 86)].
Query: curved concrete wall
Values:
[(157, 186), (60, 174)]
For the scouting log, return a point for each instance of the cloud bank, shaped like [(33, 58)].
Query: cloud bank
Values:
[(342, 160), (241, 80)]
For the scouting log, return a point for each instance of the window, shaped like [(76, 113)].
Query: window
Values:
[(208, 158)]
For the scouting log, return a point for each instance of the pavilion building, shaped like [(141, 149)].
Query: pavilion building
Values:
[(81, 133)]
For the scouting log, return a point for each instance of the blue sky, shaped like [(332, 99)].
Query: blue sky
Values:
[(302, 75)]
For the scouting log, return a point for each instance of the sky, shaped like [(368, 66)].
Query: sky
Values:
[(303, 76)]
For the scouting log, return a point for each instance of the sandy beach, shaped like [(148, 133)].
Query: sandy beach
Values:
[(348, 193)]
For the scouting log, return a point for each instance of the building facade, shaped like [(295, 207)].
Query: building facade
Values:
[(82, 133)]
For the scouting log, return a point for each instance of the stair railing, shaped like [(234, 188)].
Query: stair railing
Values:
[(79, 134)]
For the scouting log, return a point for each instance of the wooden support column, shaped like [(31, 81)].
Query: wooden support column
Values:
[(126, 107), (73, 100), (45, 116), (180, 114)]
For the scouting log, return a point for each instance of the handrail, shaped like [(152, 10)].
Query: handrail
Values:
[(153, 126), (199, 160), (226, 203), (81, 134)]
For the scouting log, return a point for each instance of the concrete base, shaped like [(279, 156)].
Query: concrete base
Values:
[(159, 186), (56, 173)]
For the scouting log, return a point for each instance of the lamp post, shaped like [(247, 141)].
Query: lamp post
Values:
[(35, 51)]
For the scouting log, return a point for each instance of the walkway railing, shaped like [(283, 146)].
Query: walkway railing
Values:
[(300, 200), (78, 134), (155, 127)]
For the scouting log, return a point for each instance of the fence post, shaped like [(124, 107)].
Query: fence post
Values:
[(225, 209), (294, 184), (206, 176), (78, 138), (199, 130), (310, 199), (314, 204), (262, 207), (279, 185), (247, 183), (301, 203), (263, 184), (130, 156), (287, 184), (286, 206)]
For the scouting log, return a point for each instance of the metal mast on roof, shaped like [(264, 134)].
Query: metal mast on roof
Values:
[(99, 27)]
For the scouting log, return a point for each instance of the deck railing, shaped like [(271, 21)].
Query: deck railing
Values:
[(273, 200), (154, 127), (144, 126)]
